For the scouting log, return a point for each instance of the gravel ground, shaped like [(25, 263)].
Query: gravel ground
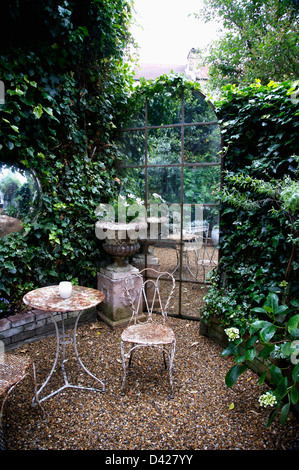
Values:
[(204, 414)]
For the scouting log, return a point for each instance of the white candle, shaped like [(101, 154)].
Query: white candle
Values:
[(65, 289)]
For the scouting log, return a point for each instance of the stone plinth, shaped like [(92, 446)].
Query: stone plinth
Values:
[(116, 310)]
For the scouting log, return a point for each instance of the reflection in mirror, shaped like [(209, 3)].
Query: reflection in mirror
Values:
[(164, 146), (132, 148), (165, 181), (197, 109), (202, 144), (201, 184), (19, 197), (132, 181)]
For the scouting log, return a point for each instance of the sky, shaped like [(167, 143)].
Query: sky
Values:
[(166, 33)]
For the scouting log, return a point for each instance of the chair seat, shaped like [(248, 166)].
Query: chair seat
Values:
[(148, 333), (12, 371)]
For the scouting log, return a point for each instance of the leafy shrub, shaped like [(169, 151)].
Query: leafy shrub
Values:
[(64, 94), (256, 286)]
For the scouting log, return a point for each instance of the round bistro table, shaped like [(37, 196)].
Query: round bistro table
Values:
[(48, 299)]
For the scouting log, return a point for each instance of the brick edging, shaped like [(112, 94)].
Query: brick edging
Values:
[(33, 325)]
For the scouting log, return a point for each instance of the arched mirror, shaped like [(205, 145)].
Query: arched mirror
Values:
[(19, 197), (172, 154)]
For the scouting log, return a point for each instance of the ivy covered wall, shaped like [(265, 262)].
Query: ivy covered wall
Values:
[(255, 293), (259, 214), (259, 200), (66, 85)]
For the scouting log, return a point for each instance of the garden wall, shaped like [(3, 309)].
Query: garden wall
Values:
[(36, 324)]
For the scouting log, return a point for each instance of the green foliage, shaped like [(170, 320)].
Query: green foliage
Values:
[(259, 40), (256, 286), (202, 144), (65, 91)]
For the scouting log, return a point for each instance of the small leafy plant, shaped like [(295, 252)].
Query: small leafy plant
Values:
[(270, 340)]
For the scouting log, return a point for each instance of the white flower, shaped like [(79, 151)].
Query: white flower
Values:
[(131, 196), (267, 399), (232, 333), (139, 201), (122, 197)]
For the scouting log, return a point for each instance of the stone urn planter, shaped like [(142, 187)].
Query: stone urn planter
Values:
[(121, 241)]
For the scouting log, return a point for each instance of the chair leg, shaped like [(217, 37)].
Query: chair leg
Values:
[(4, 398), (131, 355), (164, 359), (2, 442), (35, 398), (171, 357), (124, 366)]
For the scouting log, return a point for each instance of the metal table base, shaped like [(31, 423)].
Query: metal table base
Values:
[(62, 340)]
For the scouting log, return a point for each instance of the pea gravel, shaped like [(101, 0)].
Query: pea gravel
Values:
[(204, 414)]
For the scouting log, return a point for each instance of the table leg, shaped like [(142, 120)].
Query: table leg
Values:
[(62, 340)]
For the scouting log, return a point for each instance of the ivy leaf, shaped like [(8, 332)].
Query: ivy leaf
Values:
[(295, 373), (276, 374), (258, 325), (262, 378), (284, 413), (282, 388), (271, 417), (250, 354), (292, 325), (231, 349), (266, 351), (38, 111)]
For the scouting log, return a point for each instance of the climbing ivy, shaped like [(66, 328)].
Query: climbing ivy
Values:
[(65, 84), (255, 291)]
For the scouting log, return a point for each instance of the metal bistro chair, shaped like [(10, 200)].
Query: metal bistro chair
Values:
[(206, 257), (194, 236), (143, 330)]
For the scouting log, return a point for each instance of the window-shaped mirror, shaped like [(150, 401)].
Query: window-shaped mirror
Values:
[(173, 163), (19, 197)]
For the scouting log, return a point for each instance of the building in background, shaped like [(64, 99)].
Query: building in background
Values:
[(191, 69)]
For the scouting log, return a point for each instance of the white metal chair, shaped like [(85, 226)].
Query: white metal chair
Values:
[(143, 330), (206, 257), (204, 250)]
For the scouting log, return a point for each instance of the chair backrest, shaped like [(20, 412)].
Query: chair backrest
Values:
[(198, 226), (147, 299)]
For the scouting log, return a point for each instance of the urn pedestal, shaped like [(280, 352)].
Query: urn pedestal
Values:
[(116, 310)]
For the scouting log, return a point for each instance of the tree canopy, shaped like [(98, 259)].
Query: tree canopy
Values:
[(259, 40)]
